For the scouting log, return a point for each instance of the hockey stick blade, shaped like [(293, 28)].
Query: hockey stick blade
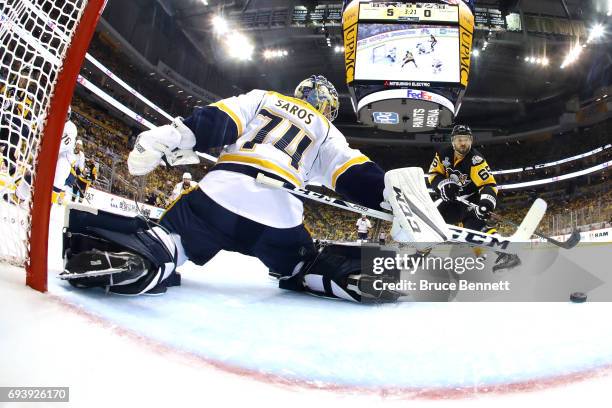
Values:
[(530, 223), (569, 243)]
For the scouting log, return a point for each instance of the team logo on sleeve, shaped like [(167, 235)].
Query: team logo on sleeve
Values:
[(477, 160)]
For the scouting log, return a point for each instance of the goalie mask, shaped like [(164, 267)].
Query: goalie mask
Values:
[(321, 94), (462, 138)]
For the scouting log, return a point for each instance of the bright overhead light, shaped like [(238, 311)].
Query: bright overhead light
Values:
[(597, 31), (475, 53), (545, 61), (268, 54), (220, 25), (239, 46), (572, 56), (526, 59)]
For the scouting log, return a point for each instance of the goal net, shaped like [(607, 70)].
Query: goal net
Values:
[(384, 54), (42, 46)]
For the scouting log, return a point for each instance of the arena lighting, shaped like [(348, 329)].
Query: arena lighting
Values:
[(339, 49), (133, 115), (567, 176), (238, 46), (220, 25), (269, 54), (572, 56), (476, 53), (597, 31)]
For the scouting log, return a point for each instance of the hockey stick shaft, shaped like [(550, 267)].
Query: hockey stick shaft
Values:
[(458, 235), (570, 243)]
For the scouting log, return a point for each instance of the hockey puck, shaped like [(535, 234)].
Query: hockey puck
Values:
[(578, 297)]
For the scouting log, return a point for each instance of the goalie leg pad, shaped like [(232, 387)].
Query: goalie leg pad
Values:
[(85, 238), (336, 272)]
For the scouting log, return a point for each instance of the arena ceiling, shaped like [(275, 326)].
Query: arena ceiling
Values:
[(502, 86)]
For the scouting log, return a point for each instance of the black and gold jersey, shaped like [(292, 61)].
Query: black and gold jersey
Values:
[(22, 105), (471, 172)]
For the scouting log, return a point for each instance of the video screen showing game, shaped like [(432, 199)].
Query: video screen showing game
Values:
[(407, 52)]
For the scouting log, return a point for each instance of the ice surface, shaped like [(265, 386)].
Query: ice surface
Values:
[(229, 317)]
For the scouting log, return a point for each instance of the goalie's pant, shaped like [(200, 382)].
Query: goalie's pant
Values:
[(200, 228), (335, 271), (206, 227)]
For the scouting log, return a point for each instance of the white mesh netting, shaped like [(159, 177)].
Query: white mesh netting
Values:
[(34, 39)]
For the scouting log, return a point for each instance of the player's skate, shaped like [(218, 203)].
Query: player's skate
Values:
[(506, 261)]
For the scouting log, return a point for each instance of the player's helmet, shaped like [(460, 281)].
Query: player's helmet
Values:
[(461, 130), (461, 147), (321, 94)]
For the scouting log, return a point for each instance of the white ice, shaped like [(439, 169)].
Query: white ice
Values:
[(228, 335)]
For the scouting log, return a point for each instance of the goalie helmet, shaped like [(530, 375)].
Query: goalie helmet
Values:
[(321, 94)]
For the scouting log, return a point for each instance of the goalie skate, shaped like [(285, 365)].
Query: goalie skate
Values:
[(96, 263)]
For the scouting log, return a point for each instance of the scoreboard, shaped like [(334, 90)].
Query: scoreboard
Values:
[(412, 12), (407, 63)]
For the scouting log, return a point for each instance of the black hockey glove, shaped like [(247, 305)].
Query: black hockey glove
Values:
[(485, 206), (448, 190)]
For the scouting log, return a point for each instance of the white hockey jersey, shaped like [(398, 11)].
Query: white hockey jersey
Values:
[(284, 137), (68, 139)]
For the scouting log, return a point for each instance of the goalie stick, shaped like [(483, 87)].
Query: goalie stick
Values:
[(571, 241), (458, 234)]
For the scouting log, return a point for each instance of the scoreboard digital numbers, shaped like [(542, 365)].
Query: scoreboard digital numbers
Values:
[(413, 12)]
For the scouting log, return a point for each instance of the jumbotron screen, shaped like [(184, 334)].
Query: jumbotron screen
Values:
[(402, 52)]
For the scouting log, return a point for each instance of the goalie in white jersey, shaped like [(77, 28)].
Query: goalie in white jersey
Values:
[(287, 138)]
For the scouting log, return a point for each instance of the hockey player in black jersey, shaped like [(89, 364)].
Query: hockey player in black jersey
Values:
[(462, 171)]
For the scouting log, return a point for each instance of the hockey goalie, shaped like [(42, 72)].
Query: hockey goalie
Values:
[(290, 139)]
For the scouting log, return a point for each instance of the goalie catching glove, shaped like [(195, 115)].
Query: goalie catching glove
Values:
[(174, 141), (415, 216)]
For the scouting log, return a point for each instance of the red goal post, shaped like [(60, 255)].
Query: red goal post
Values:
[(44, 43)]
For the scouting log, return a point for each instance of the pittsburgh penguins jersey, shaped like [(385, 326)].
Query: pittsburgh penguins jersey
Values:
[(472, 172), (282, 137), (16, 101)]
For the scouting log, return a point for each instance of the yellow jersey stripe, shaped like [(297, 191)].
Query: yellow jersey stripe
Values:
[(189, 190), (231, 114), (266, 164), (356, 160)]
